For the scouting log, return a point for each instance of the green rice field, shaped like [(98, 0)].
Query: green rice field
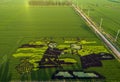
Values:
[(21, 24), (108, 10)]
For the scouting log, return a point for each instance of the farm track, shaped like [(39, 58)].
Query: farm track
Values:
[(94, 27)]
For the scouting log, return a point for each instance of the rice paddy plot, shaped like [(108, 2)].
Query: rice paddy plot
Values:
[(33, 51), (108, 11), (21, 24)]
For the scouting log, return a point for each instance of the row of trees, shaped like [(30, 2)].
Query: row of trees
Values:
[(46, 3)]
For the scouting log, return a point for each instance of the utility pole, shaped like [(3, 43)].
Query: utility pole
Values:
[(101, 21), (117, 35), (76, 3), (88, 12), (81, 7)]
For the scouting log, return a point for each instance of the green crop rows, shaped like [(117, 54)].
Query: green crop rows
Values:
[(21, 23), (108, 10)]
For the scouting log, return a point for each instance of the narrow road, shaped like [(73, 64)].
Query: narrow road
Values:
[(92, 24)]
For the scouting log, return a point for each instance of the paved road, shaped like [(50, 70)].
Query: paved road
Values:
[(91, 23)]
